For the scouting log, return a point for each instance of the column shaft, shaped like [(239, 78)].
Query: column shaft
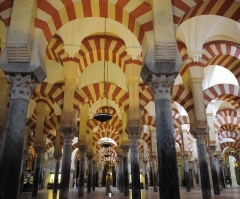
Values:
[(55, 184), (37, 168), (89, 181), (65, 171), (135, 168), (146, 174), (12, 147), (23, 167), (196, 174), (221, 179), (202, 157), (214, 174), (187, 180), (121, 175), (94, 176), (167, 162), (125, 176), (81, 175), (154, 176)]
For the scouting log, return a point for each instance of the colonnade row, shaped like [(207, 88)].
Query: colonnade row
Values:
[(22, 83)]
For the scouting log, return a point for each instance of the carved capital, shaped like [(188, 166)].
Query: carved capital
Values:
[(21, 85), (161, 86), (57, 156), (134, 136), (39, 150), (82, 149), (211, 150), (185, 157), (125, 150), (68, 137), (89, 156), (153, 158)]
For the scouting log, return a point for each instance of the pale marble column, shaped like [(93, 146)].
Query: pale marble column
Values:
[(218, 173), (196, 174), (125, 150), (82, 153), (232, 171), (12, 147)]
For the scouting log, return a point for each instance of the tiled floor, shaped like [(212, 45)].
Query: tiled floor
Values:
[(99, 193)]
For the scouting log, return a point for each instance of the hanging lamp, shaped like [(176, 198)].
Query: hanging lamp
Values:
[(102, 116)]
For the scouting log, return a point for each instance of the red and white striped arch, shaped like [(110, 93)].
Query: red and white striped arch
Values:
[(147, 119), (226, 120), (49, 91), (226, 112), (233, 145), (91, 93), (145, 95), (231, 128), (92, 50), (223, 91), (6, 11), (184, 10), (227, 134), (178, 138), (181, 120), (31, 124), (231, 153), (183, 97), (134, 15), (147, 138)]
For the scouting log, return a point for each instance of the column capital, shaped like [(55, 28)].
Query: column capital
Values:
[(39, 150), (21, 85), (89, 156), (211, 150), (68, 137), (57, 156), (125, 150), (153, 158), (82, 149), (161, 86), (185, 157)]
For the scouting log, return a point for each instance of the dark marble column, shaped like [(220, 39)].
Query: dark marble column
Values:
[(90, 173), (134, 134), (57, 166), (196, 174), (68, 135), (202, 158), (154, 174), (82, 152), (146, 174), (167, 163), (125, 150), (218, 173), (12, 146), (121, 186), (23, 167), (186, 170), (216, 189), (221, 178), (37, 168), (94, 174)]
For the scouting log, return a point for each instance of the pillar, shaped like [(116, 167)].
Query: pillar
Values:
[(12, 146), (186, 170), (134, 134), (90, 172), (216, 189), (125, 150), (146, 174), (23, 167), (82, 152), (218, 172), (94, 174), (232, 172), (196, 174), (167, 163), (57, 166), (120, 173), (154, 174), (67, 135), (221, 178), (202, 158)]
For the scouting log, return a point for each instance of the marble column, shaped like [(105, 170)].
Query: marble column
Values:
[(202, 158), (23, 167), (232, 172), (218, 172), (82, 152), (37, 168), (196, 174), (90, 173), (94, 174), (12, 146), (167, 163), (134, 135), (67, 135), (125, 150), (221, 178), (154, 174), (186, 170), (121, 186), (216, 189), (146, 174), (57, 166)]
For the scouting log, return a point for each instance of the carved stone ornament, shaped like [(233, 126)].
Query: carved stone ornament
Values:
[(161, 86), (21, 85), (125, 150), (82, 150), (68, 137)]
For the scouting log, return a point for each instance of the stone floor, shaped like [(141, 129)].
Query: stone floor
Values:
[(99, 193)]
